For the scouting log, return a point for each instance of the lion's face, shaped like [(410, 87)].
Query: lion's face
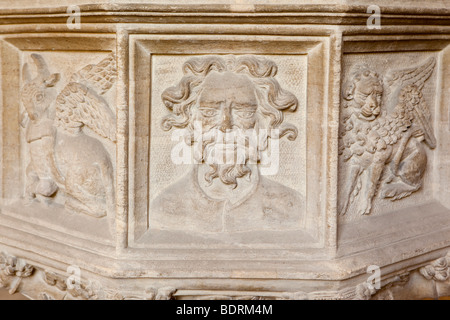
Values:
[(367, 95)]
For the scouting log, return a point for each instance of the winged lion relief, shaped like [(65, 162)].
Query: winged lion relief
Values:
[(385, 129)]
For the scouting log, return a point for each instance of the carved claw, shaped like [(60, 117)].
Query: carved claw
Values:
[(392, 172), (399, 191), (388, 193), (402, 195), (390, 177)]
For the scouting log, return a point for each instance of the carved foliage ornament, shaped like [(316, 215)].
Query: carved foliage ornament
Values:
[(52, 286), (384, 149), (439, 270), (12, 271)]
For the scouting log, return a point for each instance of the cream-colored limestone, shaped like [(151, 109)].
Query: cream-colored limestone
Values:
[(97, 202)]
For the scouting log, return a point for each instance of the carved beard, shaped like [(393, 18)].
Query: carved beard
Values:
[(214, 153), (227, 173)]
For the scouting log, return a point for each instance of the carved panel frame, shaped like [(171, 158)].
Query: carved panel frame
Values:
[(13, 50), (318, 50), (431, 216)]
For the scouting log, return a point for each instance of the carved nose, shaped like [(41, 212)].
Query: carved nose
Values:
[(371, 102), (226, 124), (376, 111)]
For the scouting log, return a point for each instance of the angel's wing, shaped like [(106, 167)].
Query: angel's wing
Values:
[(78, 105), (80, 102), (398, 79)]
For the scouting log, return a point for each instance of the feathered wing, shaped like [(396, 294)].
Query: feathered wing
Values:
[(413, 79), (417, 75), (77, 105), (99, 77), (423, 117), (398, 79), (80, 102)]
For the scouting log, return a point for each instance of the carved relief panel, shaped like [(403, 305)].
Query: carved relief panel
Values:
[(392, 143), (387, 132), (65, 134), (247, 150), (221, 142), (230, 97)]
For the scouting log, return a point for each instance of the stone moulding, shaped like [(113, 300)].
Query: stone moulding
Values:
[(92, 206), (45, 285)]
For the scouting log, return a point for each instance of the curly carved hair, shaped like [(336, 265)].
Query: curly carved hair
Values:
[(273, 100), (358, 73)]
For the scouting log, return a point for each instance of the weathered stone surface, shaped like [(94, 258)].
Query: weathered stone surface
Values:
[(224, 150)]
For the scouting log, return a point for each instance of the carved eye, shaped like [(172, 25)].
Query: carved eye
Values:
[(39, 97), (366, 73), (362, 95), (246, 114), (208, 112)]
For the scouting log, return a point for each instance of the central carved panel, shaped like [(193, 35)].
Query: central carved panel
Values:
[(226, 132), (229, 112)]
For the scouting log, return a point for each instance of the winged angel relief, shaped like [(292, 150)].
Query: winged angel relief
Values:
[(382, 144), (64, 159)]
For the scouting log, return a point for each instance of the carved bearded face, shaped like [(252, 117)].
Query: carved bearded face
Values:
[(232, 99), (367, 93), (227, 110), (227, 101)]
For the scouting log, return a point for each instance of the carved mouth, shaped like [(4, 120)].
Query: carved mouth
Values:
[(366, 112), (225, 153), (226, 146), (367, 118)]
